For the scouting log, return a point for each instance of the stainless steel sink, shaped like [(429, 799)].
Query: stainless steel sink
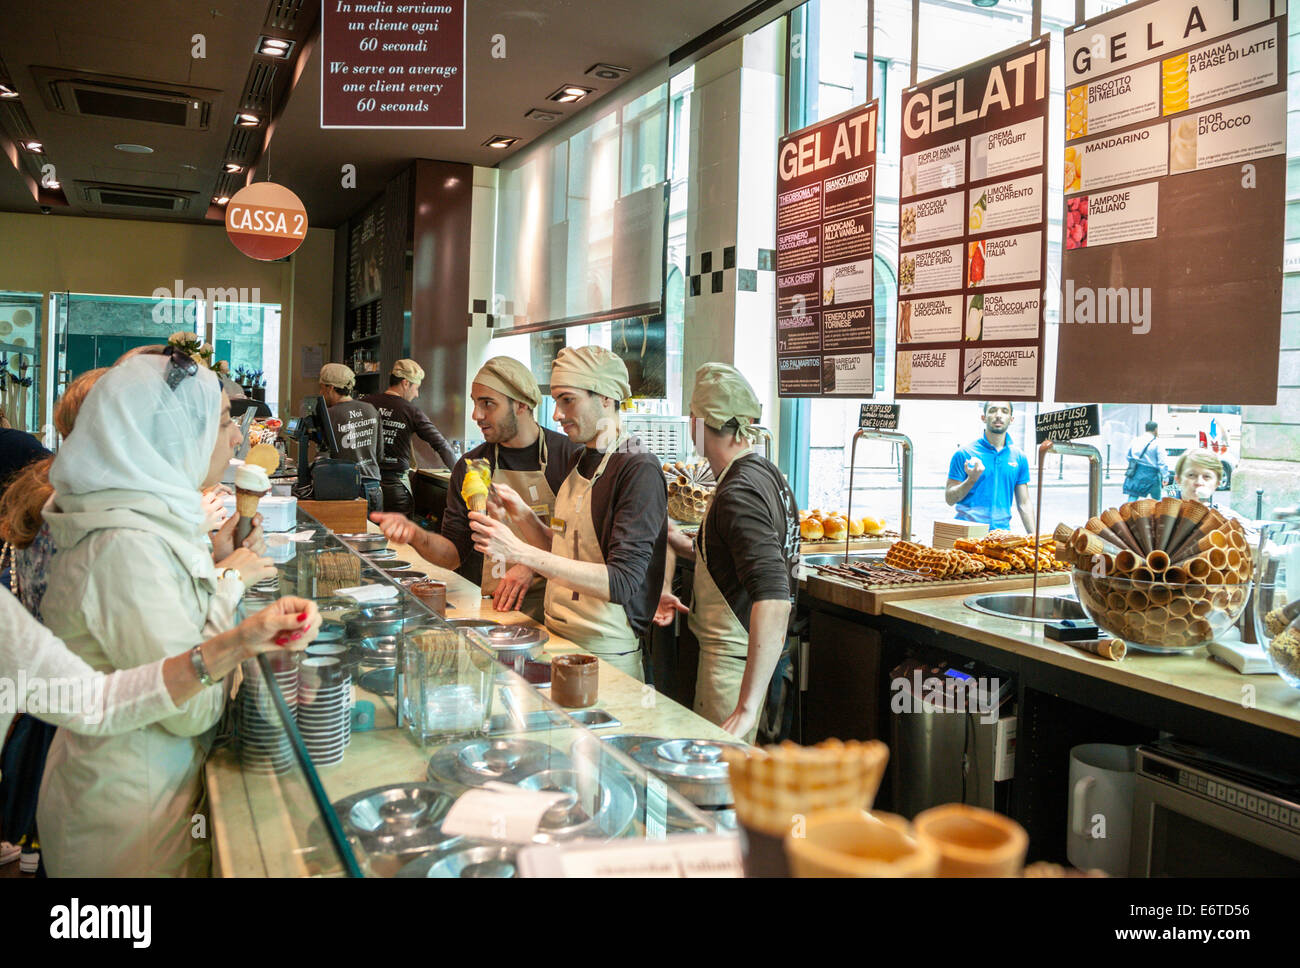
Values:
[(1021, 607)]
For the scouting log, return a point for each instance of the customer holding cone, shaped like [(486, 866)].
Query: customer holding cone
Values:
[(519, 453), (602, 552), (746, 555)]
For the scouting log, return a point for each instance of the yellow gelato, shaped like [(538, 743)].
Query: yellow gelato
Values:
[(478, 481)]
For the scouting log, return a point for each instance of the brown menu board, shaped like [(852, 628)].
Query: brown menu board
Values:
[(392, 65), (825, 210), (1175, 194), (972, 231)]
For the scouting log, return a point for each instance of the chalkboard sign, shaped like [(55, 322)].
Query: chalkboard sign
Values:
[(878, 416), (1068, 424)]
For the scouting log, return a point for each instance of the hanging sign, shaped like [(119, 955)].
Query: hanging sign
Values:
[(1069, 424), (266, 221), (825, 210), (878, 416), (1175, 199), (972, 231), (392, 65)]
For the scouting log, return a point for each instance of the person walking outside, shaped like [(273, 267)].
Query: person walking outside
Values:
[(1147, 470)]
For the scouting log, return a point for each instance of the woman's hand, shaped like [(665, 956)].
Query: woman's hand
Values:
[(396, 527), (669, 607), (251, 566), (215, 516), (494, 539), (290, 623)]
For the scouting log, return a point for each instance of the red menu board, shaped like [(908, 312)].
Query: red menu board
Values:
[(972, 231), (392, 65), (825, 210), (1175, 198)]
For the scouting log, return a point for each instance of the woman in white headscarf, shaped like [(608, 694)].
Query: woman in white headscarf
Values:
[(134, 582)]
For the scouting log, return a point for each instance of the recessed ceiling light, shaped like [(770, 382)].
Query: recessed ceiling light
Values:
[(606, 72), (7, 91), (274, 47), (570, 93), (34, 146), (132, 149), (538, 115), (247, 120), (232, 169), (53, 184), (499, 141), (221, 199)]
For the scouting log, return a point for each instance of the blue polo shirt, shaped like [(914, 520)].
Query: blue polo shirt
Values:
[(991, 499)]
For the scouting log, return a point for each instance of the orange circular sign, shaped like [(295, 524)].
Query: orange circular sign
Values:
[(266, 221)]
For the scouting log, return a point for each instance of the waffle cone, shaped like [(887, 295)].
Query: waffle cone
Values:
[(246, 502), (1189, 521), (1062, 533), (1112, 520), (773, 785), (477, 502), (1138, 517)]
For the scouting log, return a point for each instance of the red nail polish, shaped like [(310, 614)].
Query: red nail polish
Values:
[(280, 639), (302, 617), (297, 635)]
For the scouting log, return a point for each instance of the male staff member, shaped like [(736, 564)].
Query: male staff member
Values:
[(983, 475), (531, 460), (603, 550), (401, 418), (356, 425), (745, 557)]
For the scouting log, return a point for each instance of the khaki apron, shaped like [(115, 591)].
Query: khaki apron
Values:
[(599, 627), (724, 643), (534, 489)]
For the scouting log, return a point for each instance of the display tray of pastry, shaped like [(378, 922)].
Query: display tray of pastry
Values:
[(823, 531)]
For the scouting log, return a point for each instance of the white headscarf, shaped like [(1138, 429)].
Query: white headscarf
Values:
[(136, 435)]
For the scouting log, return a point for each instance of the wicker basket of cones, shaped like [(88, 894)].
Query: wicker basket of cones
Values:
[(1163, 576), (690, 489)]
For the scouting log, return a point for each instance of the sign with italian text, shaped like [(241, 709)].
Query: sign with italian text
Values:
[(825, 250), (266, 221), (1069, 424), (1175, 193), (392, 65), (972, 231)]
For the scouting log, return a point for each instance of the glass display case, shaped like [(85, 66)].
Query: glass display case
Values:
[(345, 760)]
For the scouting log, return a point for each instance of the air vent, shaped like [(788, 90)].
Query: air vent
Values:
[(258, 90), (15, 122), (283, 15), (125, 99), (128, 196)]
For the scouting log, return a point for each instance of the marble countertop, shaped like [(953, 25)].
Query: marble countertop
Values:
[(1193, 678), (260, 822)]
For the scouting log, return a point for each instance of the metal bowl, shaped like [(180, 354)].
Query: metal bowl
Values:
[(364, 541), (409, 577), (379, 555), (474, 762), (694, 767), (387, 619), (472, 623), (598, 803), (379, 681), (376, 650), (391, 564)]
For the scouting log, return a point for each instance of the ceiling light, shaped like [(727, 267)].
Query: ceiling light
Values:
[(53, 184), (606, 72), (537, 114), (274, 47), (7, 91), (34, 146), (570, 93), (133, 149), (232, 169), (221, 199), (247, 120), (499, 141)]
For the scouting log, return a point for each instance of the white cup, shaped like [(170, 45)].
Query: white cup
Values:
[(1101, 807)]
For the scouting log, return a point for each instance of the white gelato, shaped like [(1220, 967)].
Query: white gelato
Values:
[(250, 477)]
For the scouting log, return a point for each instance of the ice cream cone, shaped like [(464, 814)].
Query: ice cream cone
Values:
[(1096, 527), (1166, 517), (251, 485), (1198, 568), (1158, 562), (1190, 517), (1138, 516), (478, 481), (1180, 608), (1086, 544), (1062, 534), (1112, 520), (1126, 561), (1142, 573), (1160, 594)]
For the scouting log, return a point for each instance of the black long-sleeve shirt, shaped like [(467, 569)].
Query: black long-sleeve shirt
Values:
[(400, 419), (357, 428)]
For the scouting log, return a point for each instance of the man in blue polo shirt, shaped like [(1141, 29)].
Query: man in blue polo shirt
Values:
[(984, 475)]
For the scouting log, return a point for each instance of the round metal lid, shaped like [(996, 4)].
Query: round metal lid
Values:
[(474, 762), (602, 806), (465, 859), (472, 623), (392, 564), (379, 553), (685, 758), (394, 819), (514, 636)]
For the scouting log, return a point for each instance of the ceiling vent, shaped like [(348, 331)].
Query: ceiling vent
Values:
[(122, 197), (125, 99), (285, 15)]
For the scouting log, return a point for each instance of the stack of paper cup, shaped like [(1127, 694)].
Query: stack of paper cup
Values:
[(324, 708)]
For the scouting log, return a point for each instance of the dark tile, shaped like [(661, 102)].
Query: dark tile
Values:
[(767, 259), (688, 263), (706, 261), (695, 285), (717, 281), (470, 324), (491, 320), (480, 305), (729, 257), (747, 280)]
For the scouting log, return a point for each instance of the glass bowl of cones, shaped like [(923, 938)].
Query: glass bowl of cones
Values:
[(1165, 576)]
